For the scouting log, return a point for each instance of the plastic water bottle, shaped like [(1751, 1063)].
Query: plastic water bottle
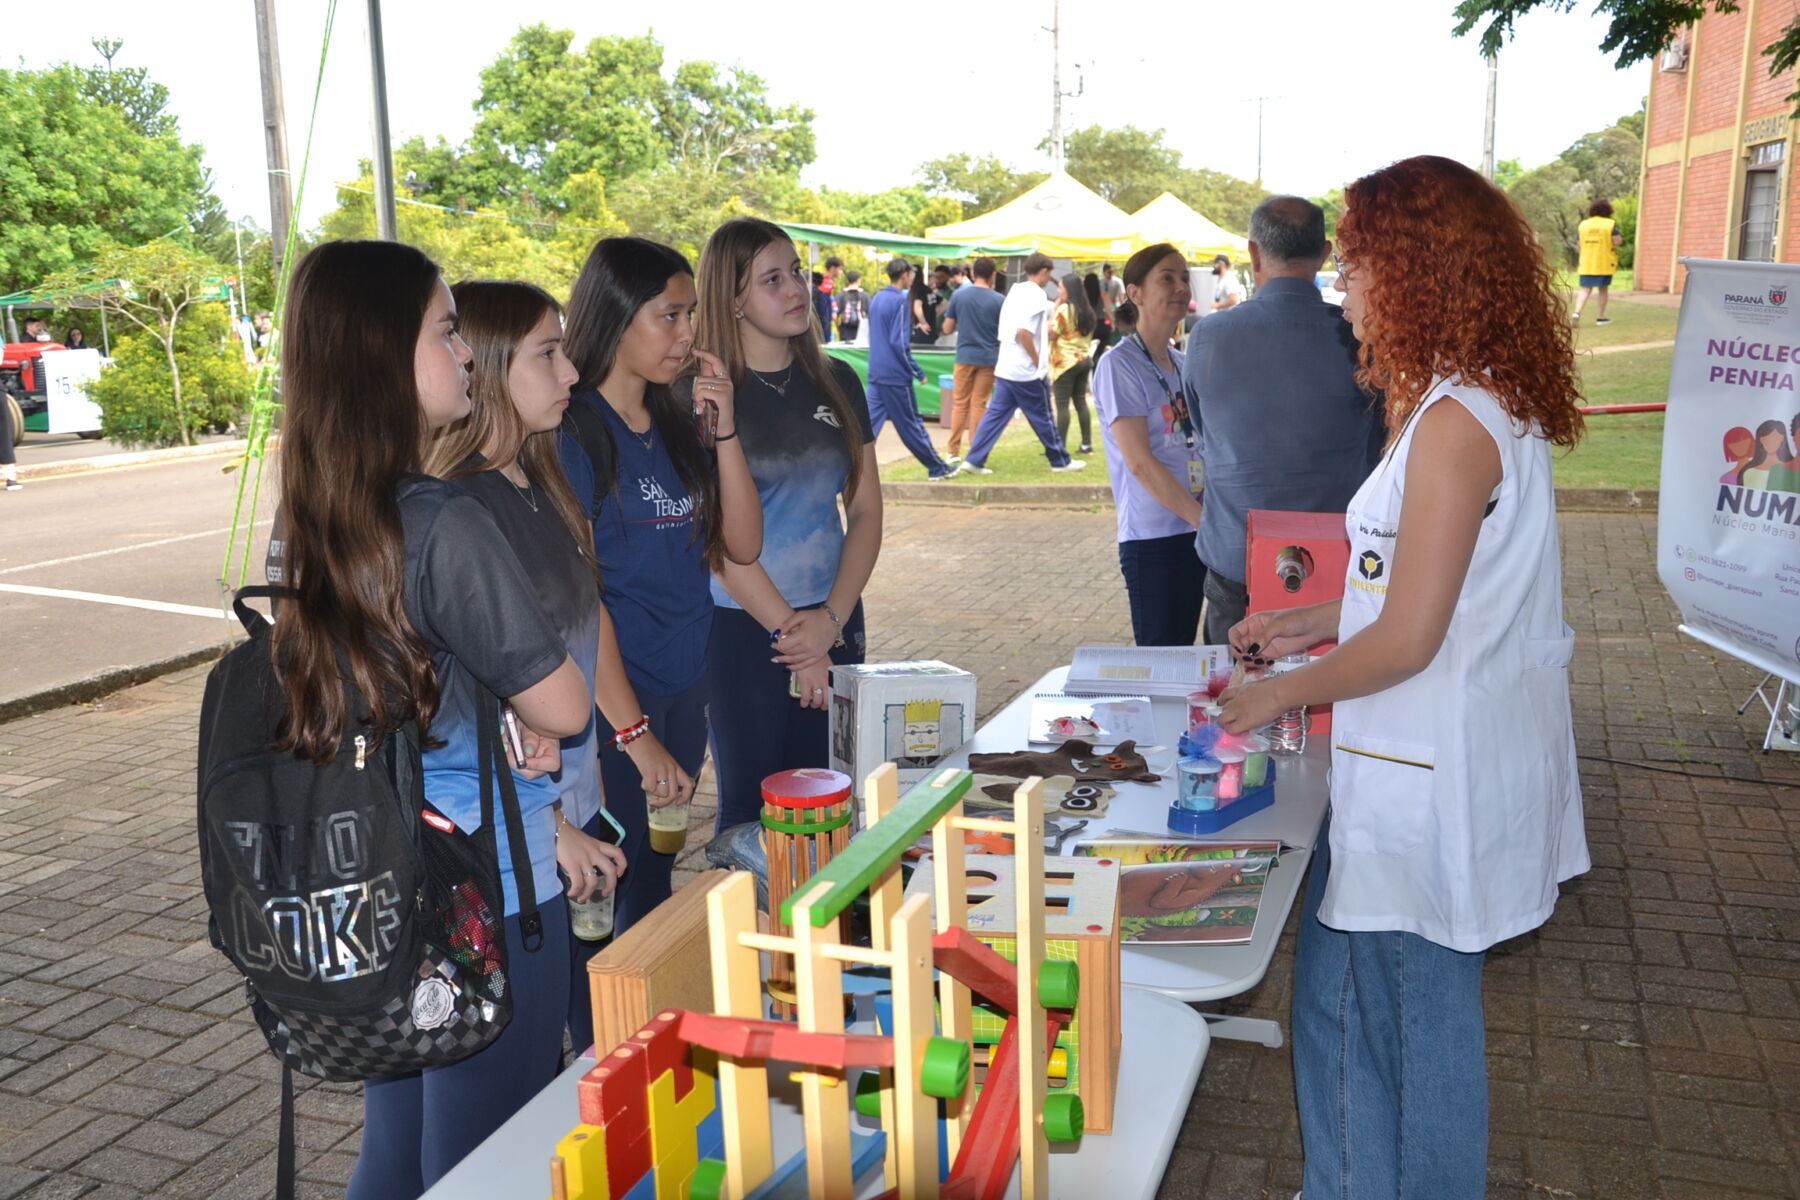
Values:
[(1287, 735)]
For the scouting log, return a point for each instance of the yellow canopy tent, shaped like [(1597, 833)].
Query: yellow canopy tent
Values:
[(1060, 217), (1168, 219)]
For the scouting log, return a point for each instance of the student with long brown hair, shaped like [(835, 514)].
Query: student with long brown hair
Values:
[(410, 584), (1455, 805), (804, 424), (676, 502)]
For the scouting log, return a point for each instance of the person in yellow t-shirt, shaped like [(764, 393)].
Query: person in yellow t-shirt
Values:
[(1600, 242)]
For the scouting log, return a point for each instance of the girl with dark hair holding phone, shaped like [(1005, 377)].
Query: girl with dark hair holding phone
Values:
[(409, 582), (1071, 358), (784, 619), (1455, 802), (505, 455), (672, 499)]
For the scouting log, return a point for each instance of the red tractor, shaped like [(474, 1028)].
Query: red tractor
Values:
[(22, 382)]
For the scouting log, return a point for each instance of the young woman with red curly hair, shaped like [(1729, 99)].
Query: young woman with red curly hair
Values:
[(1455, 809)]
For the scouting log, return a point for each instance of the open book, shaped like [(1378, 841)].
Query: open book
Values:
[(1150, 670), (1057, 717)]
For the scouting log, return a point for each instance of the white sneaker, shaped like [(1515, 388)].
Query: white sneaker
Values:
[(966, 467), (13, 485), (953, 459), (1074, 464)]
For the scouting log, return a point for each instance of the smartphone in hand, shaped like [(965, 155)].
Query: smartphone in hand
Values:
[(510, 737)]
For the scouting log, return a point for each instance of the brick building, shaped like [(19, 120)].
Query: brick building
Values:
[(1717, 143)]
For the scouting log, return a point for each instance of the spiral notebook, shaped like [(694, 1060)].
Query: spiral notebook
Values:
[(1058, 717)]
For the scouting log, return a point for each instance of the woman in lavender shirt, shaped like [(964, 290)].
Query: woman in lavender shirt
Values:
[(1152, 454)]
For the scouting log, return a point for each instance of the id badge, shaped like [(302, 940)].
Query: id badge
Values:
[(1196, 476)]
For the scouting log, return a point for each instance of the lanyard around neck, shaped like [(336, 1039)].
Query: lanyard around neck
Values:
[(1182, 419)]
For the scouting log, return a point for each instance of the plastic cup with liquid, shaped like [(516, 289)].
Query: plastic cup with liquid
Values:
[(668, 825), (591, 920)]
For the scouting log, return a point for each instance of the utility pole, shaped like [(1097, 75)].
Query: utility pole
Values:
[(281, 192), (1056, 133), (1487, 137), (1258, 101), (385, 221)]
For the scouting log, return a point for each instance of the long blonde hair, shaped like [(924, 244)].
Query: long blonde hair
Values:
[(493, 317), (724, 271)]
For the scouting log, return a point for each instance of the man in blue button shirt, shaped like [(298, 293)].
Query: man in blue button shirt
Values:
[(1272, 386), (892, 369)]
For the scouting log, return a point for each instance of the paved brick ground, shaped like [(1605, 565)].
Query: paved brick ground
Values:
[(1645, 1043)]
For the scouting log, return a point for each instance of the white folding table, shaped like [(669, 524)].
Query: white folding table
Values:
[(1194, 973), (1164, 1045)]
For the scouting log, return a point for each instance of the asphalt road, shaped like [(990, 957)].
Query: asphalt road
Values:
[(129, 558)]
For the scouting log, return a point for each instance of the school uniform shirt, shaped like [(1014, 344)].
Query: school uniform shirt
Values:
[(1128, 384), (890, 341), (1455, 805), (649, 540), (471, 600), (569, 595), (1027, 307), (800, 463)]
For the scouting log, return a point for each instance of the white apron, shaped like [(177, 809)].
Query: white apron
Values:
[(1455, 805)]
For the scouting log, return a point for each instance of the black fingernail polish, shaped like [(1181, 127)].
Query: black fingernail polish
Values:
[(1254, 647)]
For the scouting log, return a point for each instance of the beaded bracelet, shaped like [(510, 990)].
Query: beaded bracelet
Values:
[(632, 732), (836, 625)]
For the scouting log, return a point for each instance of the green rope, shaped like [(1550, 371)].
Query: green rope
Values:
[(263, 405)]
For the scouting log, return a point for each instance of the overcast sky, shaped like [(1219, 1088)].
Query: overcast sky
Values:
[(1352, 86)]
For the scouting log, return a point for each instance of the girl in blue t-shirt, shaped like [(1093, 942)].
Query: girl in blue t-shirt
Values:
[(412, 584), (676, 502), (784, 619)]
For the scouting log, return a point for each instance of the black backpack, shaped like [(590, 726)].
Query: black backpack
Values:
[(367, 926), (588, 427)]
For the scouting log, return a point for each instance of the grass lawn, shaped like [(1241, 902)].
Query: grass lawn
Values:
[(1620, 450), (1632, 323), (1017, 458), (1624, 281)]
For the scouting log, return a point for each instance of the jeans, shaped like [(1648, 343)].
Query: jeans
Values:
[(1071, 389), (1226, 602), (895, 402), (757, 728), (1164, 579), (974, 388), (679, 722), (419, 1125), (1390, 1061), (1032, 397)]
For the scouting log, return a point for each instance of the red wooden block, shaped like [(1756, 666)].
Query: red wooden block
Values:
[(659, 1041), (746, 1037), (990, 1147), (627, 1158), (977, 966), (617, 1088)]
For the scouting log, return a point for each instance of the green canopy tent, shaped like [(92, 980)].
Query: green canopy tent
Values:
[(920, 247), (86, 298)]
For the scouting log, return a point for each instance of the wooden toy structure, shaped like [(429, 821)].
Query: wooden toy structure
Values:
[(648, 1113), (806, 819), (1081, 925)]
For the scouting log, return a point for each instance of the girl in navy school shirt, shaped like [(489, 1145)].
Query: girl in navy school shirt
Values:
[(679, 504), (784, 619)]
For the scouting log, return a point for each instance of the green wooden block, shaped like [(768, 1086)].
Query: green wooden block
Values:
[(878, 847)]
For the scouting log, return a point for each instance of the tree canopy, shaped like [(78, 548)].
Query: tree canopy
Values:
[(85, 158), (1639, 29)]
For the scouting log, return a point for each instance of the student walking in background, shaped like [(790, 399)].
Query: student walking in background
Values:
[(893, 370), (1600, 240), (1071, 351), (974, 317), (1022, 371), (783, 620)]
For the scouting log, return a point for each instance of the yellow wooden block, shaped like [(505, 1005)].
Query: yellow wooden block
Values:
[(674, 1144), (583, 1152)]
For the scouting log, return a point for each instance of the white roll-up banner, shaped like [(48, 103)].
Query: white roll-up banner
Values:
[(1728, 526)]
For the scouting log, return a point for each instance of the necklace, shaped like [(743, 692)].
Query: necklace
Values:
[(646, 439), (780, 389), (526, 493)]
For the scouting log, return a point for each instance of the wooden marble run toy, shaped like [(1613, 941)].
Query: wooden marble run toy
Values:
[(649, 1117)]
